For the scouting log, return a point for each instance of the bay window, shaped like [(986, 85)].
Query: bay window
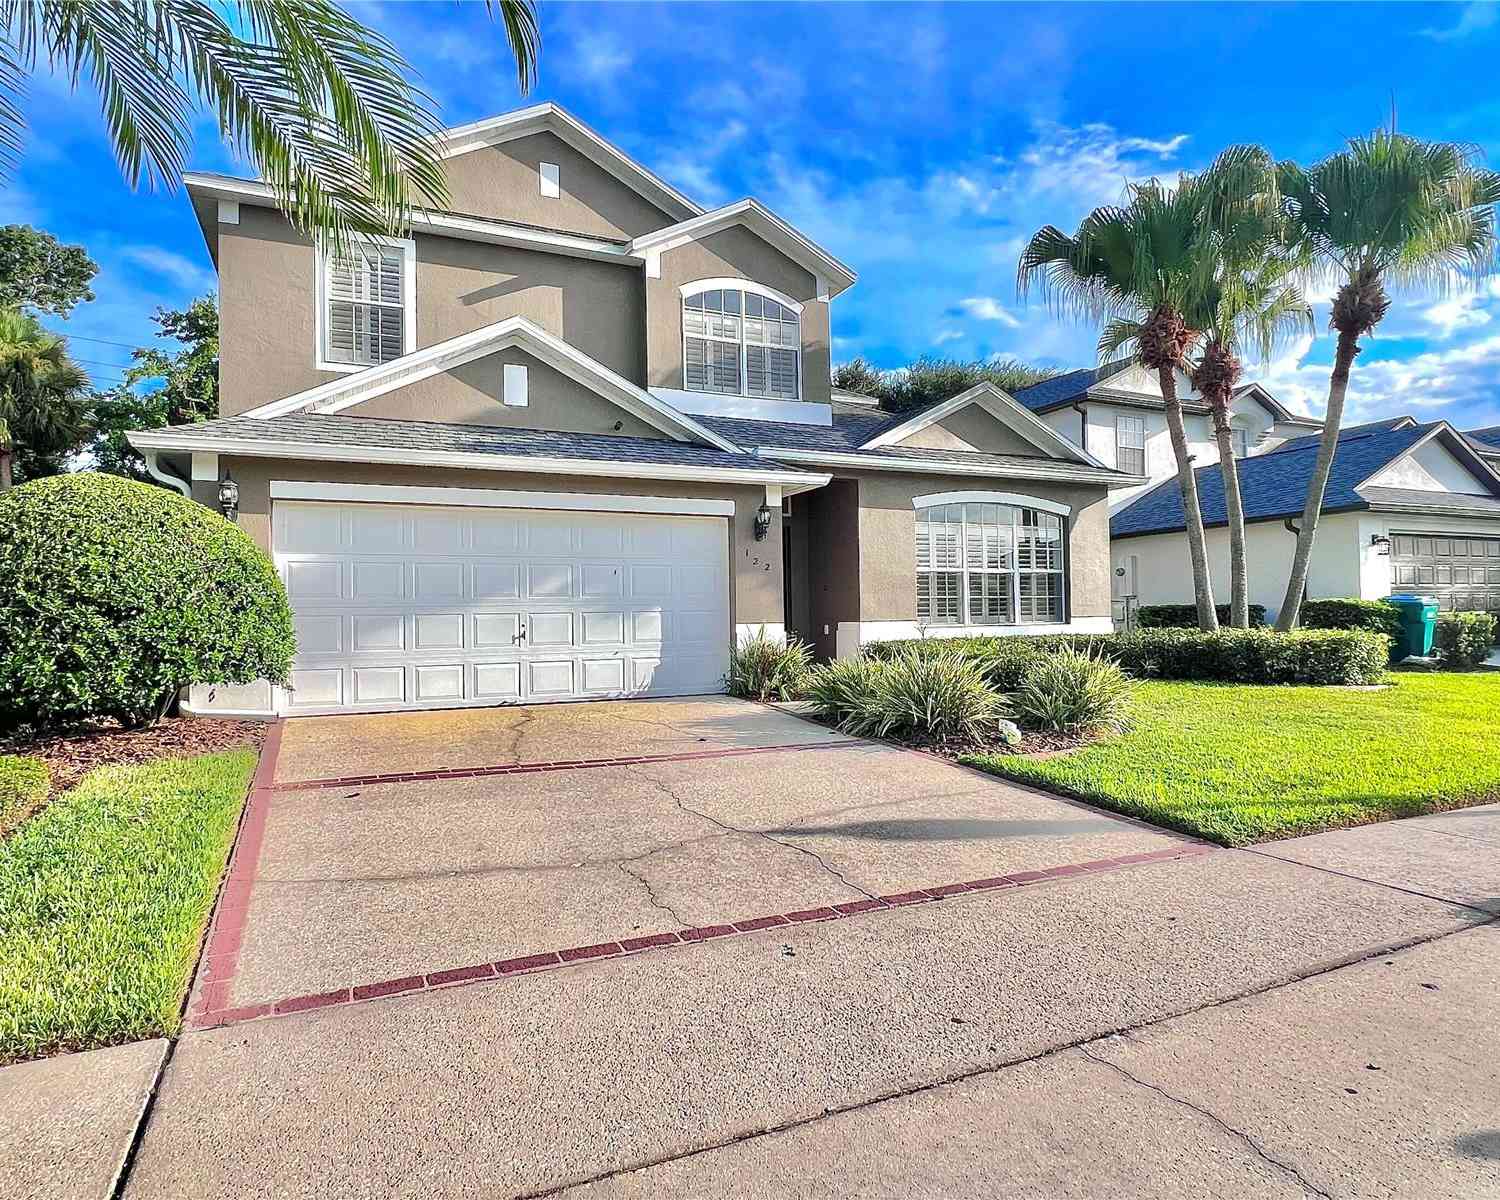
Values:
[(989, 564)]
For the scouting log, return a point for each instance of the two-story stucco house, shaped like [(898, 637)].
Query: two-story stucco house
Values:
[(573, 437), (1409, 507)]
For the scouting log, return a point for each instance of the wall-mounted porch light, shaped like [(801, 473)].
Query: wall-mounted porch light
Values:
[(1381, 543), (229, 497), (762, 522)]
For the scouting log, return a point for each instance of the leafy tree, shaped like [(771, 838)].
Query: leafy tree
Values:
[(39, 272), (932, 380), (321, 106), (1387, 208), (187, 388), (1143, 269), (43, 406)]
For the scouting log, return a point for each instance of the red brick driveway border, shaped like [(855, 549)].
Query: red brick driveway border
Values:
[(211, 1008)]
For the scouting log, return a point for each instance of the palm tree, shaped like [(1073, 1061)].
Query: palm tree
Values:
[(1145, 269), (1254, 303), (1387, 208), (321, 105), (42, 402)]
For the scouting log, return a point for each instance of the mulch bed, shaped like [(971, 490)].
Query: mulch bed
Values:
[(72, 755), (1033, 743)]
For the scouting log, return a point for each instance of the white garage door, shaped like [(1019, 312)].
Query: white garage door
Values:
[(406, 606)]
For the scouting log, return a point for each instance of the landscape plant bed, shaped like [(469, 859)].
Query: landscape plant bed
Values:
[(103, 899), (71, 755), (1032, 742), (1243, 764)]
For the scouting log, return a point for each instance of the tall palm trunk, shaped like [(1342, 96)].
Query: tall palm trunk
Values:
[(1357, 309), (1215, 377), (1187, 482)]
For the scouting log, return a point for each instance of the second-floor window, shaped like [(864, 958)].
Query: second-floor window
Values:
[(366, 305), (1239, 441), (1130, 444), (741, 343)]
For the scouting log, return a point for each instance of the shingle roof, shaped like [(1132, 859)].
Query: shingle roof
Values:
[(1275, 485), (1312, 439), (849, 431), (1413, 498), (1487, 441), (1062, 388), (325, 429)]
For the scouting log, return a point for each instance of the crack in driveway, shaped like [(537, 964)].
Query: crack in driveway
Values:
[(1259, 1150), (666, 789), (652, 898)]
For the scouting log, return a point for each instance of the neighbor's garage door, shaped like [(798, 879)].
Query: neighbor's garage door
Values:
[(1462, 572), (404, 606)]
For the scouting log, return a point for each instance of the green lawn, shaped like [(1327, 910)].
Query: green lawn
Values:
[(103, 898), (1245, 764)]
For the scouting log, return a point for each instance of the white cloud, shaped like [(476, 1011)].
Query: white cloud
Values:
[(944, 336), (987, 308), (172, 267), (1476, 15), (695, 173), (597, 56)]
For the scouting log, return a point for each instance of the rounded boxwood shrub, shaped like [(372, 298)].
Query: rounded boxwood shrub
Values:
[(115, 594), (1185, 616), (1349, 613), (1464, 639)]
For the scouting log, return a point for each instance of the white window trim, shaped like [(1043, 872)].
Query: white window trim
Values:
[(739, 285), (408, 304), (549, 179), (1064, 572), (1120, 418)]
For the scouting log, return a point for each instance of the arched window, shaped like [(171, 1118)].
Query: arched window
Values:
[(740, 341), (982, 563)]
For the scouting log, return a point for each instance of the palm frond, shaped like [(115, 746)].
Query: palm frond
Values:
[(524, 35)]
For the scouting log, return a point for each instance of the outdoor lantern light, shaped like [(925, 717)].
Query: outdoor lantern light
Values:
[(762, 522), (1381, 543), (229, 496)]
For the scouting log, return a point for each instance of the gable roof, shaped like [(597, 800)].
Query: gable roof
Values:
[(1312, 439), (1486, 441), (548, 117), (1000, 406), (1274, 485), (1065, 388), (350, 390), (832, 275)]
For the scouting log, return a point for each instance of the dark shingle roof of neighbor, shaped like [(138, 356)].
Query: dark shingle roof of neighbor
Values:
[(849, 430), (1312, 439), (1062, 388), (1486, 440), (327, 429), (1275, 484)]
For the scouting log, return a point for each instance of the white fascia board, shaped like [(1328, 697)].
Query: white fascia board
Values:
[(1005, 409), (474, 229), (762, 222), (548, 117), (340, 394), (381, 493), (1437, 510), (1061, 473), (326, 452)]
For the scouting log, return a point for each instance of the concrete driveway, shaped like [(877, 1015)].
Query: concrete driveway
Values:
[(552, 831)]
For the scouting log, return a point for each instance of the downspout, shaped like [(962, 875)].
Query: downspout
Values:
[(162, 475), (1295, 530), (1083, 424)]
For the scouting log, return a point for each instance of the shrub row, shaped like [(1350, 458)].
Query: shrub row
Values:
[(1306, 656), (1185, 616), (1465, 639), (1375, 615), (24, 783)]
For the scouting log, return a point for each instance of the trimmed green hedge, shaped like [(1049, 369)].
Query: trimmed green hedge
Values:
[(1185, 616), (115, 594), (1308, 656), (1374, 615), (1464, 639), (24, 783)]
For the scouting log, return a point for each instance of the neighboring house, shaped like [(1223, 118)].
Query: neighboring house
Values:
[(572, 438), (1487, 443), (1409, 508), (1115, 412)]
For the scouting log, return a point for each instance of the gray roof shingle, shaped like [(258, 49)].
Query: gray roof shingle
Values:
[(1486, 441), (326, 429), (1275, 484), (1062, 388)]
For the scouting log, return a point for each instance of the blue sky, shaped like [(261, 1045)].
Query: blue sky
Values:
[(921, 144)]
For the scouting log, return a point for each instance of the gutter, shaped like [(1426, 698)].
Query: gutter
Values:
[(1104, 477)]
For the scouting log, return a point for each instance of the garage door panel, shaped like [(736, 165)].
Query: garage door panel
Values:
[(1459, 571), (408, 606)]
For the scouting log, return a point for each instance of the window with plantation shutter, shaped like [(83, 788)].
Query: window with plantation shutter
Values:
[(740, 342), (366, 305), (989, 564)]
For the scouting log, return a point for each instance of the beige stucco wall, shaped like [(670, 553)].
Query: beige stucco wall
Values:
[(755, 567), (887, 540), (733, 253), (268, 304), (503, 182), (471, 395), (971, 428)]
